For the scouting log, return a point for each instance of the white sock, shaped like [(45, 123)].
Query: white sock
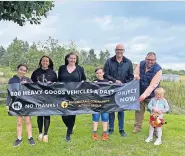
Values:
[(29, 137), (151, 131), (159, 132), (19, 137)]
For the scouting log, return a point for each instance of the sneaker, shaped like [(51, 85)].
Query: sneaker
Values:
[(149, 139), (72, 132), (95, 136), (40, 137), (158, 142), (136, 130), (110, 131), (17, 142), (31, 141), (122, 133), (68, 138), (105, 137), (45, 138)]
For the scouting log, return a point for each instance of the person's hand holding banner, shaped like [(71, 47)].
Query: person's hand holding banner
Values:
[(7, 108)]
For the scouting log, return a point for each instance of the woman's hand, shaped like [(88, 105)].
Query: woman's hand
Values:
[(7, 108)]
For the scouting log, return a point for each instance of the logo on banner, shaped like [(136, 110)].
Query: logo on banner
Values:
[(17, 106), (64, 104)]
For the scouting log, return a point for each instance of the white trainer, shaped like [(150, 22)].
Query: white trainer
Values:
[(158, 142), (45, 138), (40, 137), (149, 139)]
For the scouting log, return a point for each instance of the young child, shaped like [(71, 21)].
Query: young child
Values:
[(159, 105), (104, 116)]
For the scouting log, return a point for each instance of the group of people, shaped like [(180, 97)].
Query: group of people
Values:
[(117, 69)]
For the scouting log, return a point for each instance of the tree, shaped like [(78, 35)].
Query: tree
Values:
[(26, 47), (2, 51), (2, 54), (83, 57), (22, 11), (104, 56), (32, 57), (92, 57), (15, 54)]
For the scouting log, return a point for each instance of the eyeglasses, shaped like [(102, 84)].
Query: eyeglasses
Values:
[(120, 49), (152, 60)]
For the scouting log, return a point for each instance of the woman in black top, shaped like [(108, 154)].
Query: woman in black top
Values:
[(70, 72), (46, 74)]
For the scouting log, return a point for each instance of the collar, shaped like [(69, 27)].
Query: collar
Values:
[(124, 59)]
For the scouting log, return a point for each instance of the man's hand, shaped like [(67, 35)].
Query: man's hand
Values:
[(142, 98), (23, 82), (136, 77), (7, 108), (110, 82), (118, 82)]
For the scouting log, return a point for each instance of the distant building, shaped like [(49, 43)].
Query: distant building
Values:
[(170, 77)]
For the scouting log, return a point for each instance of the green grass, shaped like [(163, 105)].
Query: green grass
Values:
[(82, 144), (175, 94)]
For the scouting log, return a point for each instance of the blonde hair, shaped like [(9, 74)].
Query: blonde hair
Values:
[(159, 91)]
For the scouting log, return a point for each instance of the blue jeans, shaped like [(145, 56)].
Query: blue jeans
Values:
[(120, 119), (104, 117)]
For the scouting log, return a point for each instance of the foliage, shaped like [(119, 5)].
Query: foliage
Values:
[(21, 52), (21, 12), (174, 72)]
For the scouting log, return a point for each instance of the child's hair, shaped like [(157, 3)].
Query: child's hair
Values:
[(159, 91), (100, 68), (20, 65)]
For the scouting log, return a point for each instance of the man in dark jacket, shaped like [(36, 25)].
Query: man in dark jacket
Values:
[(118, 69)]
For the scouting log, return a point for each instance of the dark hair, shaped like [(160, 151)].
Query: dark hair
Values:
[(99, 69), (68, 55), (50, 62), (20, 65)]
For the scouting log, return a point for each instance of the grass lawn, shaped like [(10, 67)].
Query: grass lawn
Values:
[(82, 144)]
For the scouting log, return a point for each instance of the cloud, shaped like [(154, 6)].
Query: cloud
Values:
[(102, 29), (141, 35), (105, 22), (28, 32)]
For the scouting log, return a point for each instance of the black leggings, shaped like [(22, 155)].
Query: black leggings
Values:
[(46, 124), (69, 121)]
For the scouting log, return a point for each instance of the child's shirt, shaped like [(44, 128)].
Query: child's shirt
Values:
[(104, 80), (161, 105)]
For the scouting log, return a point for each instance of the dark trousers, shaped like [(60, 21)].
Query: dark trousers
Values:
[(120, 120), (43, 120), (69, 121)]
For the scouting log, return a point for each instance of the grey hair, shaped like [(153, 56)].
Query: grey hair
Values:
[(151, 53)]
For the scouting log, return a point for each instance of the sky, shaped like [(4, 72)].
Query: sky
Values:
[(141, 26)]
